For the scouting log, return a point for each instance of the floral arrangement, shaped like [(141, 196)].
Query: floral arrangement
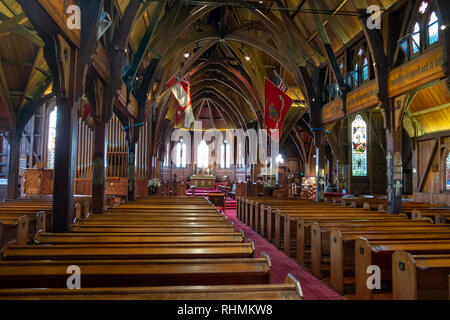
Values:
[(270, 185), (154, 184)]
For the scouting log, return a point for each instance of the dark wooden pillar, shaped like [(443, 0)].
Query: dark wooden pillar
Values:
[(62, 62), (394, 171), (64, 167), (13, 167), (98, 170), (320, 163), (131, 171), (131, 181)]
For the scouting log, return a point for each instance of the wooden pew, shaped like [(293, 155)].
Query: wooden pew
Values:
[(129, 251), (421, 277), (137, 273), (148, 221), (379, 252), (320, 236), (291, 290), (342, 249), (154, 228), (280, 219), (437, 215), (297, 231), (132, 238)]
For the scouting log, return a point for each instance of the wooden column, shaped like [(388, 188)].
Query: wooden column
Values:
[(131, 168), (320, 163), (394, 174), (64, 167), (13, 167), (98, 174), (61, 58)]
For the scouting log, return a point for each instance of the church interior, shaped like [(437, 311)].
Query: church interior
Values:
[(225, 150)]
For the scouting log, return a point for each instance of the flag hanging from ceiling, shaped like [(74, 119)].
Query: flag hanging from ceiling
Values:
[(276, 79), (277, 105), (181, 90)]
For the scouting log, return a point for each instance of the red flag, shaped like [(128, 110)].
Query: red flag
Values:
[(276, 107), (86, 110), (179, 114), (181, 90)]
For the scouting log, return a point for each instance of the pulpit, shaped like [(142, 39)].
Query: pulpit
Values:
[(37, 182)]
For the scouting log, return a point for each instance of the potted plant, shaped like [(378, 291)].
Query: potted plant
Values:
[(270, 186), (153, 185)]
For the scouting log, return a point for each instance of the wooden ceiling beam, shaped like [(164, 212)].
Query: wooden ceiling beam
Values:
[(39, 56), (8, 25)]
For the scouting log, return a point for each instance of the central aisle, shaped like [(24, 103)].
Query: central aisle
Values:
[(313, 289)]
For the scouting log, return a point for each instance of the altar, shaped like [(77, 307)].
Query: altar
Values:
[(205, 181)]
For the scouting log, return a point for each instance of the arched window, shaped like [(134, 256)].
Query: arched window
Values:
[(433, 29), (241, 155), (202, 155), (447, 166), (279, 158), (365, 70), (225, 155), (359, 147), (356, 75), (51, 139), (415, 38), (180, 154), (166, 158)]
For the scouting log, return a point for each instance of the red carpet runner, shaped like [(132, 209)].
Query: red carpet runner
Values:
[(313, 289)]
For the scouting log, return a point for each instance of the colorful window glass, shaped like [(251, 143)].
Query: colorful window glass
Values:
[(51, 139), (180, 154), (433, 29), (359, 147), (202, 155), (415, 41), (447, 166), (365, 70)]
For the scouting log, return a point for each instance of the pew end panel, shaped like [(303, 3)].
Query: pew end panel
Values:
[(404, 276), (266, 256), (316, 249), (262, 222), (23, 227), (269, 223), (40, 222), (337, 261), (300, 241), (290, 279), (363, 259)]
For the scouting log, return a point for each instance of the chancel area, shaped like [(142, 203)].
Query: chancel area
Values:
[(224, 150)]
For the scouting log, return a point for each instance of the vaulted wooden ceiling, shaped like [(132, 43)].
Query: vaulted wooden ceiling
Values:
[(231, 47), (24, 74)]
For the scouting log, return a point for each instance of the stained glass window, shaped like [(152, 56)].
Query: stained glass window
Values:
[(359, 147), (51, 139), (415, 41), (225, 155), (447, 166), (241, 155), (202, 155), (180, 154), (423, 7), (355, 75), (365, 70), (280, 158), (433, 29), (166, 158)]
